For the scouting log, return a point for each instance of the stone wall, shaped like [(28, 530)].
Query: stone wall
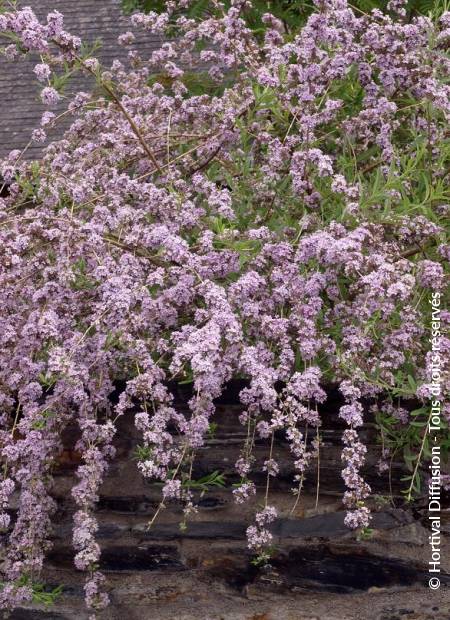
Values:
[(320, 570)]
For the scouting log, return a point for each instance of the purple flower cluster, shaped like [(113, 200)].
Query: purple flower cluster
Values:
[(353, 455), (259, 536)]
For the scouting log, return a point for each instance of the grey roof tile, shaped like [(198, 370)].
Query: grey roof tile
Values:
[(21, 109)]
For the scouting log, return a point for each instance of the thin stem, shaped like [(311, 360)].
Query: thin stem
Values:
[(318, 467), (422, 446), (266, 497), (161, 504)]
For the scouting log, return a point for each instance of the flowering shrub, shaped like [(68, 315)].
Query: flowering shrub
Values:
[(284, 225)]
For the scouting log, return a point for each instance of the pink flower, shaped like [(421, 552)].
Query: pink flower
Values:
[(50, 96), (42, 72)]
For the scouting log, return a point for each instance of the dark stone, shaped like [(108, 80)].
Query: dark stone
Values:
[(342, 570), (126, 504), (111, 530), (141, 559), (328, 525), (211, 502), (63, 532), (201, 529), (322, 569), (127, 558), (331, 525), (235, 570)]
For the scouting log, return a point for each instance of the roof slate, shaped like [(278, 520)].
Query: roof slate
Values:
[(20, 106)]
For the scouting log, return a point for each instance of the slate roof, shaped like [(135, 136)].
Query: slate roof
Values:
[(20, 107)]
